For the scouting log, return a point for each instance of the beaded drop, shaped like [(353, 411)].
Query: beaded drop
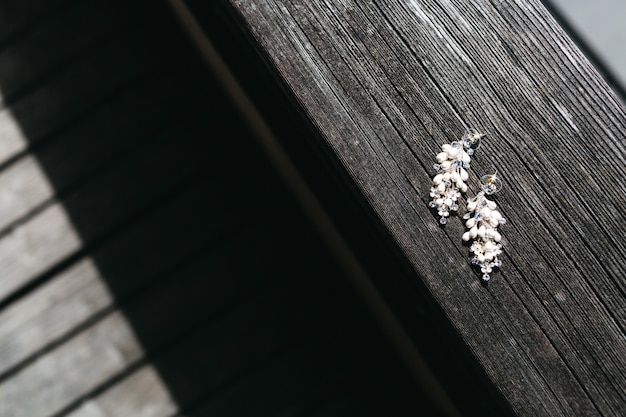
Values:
[(482, 220), (449, 182)]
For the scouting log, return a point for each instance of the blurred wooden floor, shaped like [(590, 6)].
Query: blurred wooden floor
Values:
[(151, 263)]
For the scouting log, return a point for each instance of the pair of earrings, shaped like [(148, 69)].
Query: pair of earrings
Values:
[(482, 217)]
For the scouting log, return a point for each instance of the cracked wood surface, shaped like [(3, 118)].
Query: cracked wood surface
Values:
[(385, 83)]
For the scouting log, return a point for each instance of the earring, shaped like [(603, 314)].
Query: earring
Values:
[(452, 164), (483, 220)]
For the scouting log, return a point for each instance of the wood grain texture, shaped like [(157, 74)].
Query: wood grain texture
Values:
[(386, 83), (82, 151), (38, 244), (46, 386), (142, 394)]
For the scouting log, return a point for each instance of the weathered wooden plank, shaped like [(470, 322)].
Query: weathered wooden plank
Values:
[(230, 343), (140, 180), (286, 384), (279, 318), (142, 394), (386, 83), (123, 125), (31, 324), (83, 291), (84, 362)]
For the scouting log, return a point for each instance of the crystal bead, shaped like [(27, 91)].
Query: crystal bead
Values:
[(497, 263), (432, 204), (470, 152), (478, 216), (503, 221), (455, 144), (436, 167), (454, 207), (486, 277), (474, 261), (443, 220), (483, 203), (467, 216), (448, 183)]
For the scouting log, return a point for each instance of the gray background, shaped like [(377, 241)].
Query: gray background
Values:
[(601, 25)]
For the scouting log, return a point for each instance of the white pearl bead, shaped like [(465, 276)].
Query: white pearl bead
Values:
[(486, 213), (439, 201), (441, 157), (497, 237), (441, 187), (481, 231), (470, 223), (456, 177), (446, 147), (464, 174), (438, 178), (466, 157), (473, 232), (471, 206), (452, 153), (445, 165), (493, 221), (446, 176), (462, 187), (466, 236), (492, 205), (496, 215), (448, 202), (480, 257)]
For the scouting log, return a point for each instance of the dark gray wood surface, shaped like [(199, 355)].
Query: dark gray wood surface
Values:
[(385, 83), (151, 262)]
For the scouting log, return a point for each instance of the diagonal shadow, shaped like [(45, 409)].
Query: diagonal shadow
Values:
[(153, 263)]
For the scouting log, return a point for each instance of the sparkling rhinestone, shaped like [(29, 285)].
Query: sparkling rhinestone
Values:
[(503, 221), (437, 167), (478, 216), (466, 165), (455, 144), (443, 220), (470, 151), (432, 204), (448, 183), (486, 238), (474, 261), (497, 263), (467, 216), (483, 203), (454, 207), (486, 277)]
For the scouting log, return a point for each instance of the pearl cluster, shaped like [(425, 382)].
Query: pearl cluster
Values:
[(482, 220), (452, 164)]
